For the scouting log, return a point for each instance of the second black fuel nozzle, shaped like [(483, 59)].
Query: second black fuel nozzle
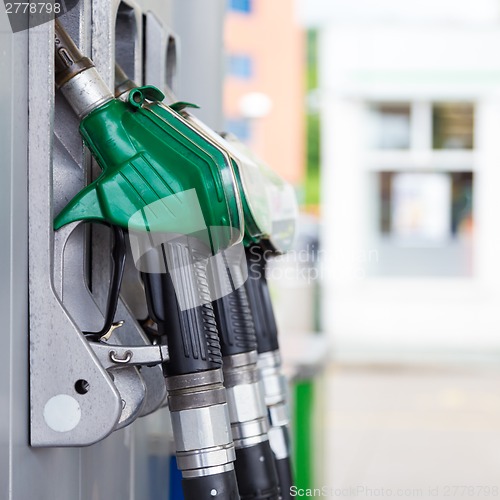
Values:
[(255, 466), (270, 209), (270, 212)]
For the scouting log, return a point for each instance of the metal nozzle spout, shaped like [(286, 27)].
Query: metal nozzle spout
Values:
[(123, 83), (76, 76), (69, 60)]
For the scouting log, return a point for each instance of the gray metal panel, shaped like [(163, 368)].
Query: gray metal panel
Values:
[(17, 461), (14, 412), (200, 27)]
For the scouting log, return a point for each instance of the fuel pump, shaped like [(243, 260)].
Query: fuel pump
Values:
[(176, 195)]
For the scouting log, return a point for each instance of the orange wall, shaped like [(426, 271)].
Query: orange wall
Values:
[(276, 43)]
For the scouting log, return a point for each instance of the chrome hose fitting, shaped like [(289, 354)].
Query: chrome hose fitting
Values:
[(200, 421), (247, 409), (275, 395)]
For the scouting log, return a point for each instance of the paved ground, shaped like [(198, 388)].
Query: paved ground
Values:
[(411, 432)]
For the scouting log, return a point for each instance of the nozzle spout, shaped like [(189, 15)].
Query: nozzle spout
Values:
[(69, 60), (76, 75), (123, 83)]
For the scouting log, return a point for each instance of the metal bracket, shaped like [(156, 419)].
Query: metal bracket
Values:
[(73, 399), (119, 356), (80, 391)]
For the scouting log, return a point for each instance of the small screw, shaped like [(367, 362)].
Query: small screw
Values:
[(213, 492)]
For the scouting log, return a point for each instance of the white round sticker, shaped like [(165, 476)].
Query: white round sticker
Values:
[(62, 413)]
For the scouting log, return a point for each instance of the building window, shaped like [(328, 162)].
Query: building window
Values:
[(240, 5), (420, 207), (389, 126), (239, 127), (453, 126), (425, 223), (240, 66)]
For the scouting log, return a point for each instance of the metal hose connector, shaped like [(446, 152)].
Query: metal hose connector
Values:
[(200, 421), (275, 394), (247, 409)]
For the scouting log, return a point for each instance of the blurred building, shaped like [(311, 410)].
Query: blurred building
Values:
[(410, 103), (264, 85), (264, 105)]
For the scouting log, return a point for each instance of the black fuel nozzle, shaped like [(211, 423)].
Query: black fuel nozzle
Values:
[(275, 385), (255, 467)]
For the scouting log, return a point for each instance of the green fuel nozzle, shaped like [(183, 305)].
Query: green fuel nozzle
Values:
[(159, 175), (176, 194)]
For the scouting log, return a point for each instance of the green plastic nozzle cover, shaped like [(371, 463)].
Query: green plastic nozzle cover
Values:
[(269, 202), (158, 173)]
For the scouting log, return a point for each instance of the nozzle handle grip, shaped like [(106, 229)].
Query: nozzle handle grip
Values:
[(233, 314), (259, 300), (190, 330), (256, 472), (220, 486)]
